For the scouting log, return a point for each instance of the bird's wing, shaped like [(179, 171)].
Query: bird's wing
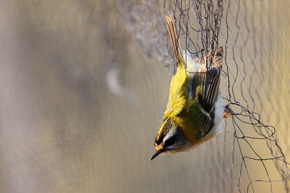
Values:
[(209, 87), (205, 88)]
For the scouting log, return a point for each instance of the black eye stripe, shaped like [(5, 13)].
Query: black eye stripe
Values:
[(170, 141)]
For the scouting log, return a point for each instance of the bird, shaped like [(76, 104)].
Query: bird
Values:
[(195, 109)]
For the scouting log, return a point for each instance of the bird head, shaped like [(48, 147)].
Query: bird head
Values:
[(170, 139)]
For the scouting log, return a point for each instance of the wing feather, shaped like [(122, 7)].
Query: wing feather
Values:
[(205, 86)]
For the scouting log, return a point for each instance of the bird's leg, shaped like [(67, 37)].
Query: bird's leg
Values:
[(228, 111)]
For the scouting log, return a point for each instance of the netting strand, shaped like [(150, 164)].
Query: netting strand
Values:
[(248, 31)]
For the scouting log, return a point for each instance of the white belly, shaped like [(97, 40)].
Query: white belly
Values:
[(219, 114)]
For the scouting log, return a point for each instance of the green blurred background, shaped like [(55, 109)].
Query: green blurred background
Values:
[(80, 106)]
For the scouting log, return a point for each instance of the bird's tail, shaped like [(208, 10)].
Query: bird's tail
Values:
[(173, 37), (217, 58)]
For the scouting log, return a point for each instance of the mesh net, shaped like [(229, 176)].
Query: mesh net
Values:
[(251, 154)]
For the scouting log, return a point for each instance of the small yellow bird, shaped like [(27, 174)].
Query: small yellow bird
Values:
[(195, 108)]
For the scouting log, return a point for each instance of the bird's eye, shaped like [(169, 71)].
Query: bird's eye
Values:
[(169, 142)]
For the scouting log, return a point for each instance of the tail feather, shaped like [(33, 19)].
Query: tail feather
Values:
[(173, 37), (217, 59)]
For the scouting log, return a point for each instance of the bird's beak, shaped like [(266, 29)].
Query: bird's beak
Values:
[(156, 154)]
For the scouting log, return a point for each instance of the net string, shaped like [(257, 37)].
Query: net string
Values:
[(202, 26)]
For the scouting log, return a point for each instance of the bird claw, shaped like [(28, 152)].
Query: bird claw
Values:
[(227, 111)]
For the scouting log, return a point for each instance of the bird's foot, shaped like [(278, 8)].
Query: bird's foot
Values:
[(227, 111)]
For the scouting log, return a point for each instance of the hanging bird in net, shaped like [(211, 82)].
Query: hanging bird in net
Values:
[(234, 43)]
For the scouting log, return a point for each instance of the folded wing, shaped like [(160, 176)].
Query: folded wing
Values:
[(205, 88)]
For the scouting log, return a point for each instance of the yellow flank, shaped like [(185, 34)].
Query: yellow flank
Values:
[(180, 104), (178, 93)]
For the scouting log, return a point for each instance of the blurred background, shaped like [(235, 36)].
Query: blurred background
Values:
[(81, 101)]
